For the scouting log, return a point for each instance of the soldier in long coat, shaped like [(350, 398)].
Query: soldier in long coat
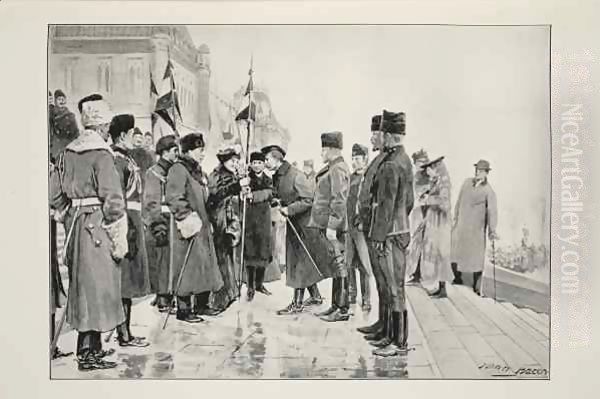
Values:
[(63, 124), (475, 214), (159, 222), (329, 217), (417, 231), (357, 252), (187, 197), (225, 187), (294, 196), (258, 249), (389, 231), (135, 273), (86, 194), (377, 330)]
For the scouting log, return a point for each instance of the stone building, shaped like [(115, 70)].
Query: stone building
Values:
[(117, 60)]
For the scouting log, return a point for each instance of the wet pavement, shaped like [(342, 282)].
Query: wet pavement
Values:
[(463, 336)]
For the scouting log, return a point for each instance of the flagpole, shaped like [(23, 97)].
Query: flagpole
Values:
[(172, 84)]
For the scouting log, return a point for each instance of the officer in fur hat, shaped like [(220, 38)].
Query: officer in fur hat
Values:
[(389, 232), (357, 253), (135, 274), (475, 214), (328, 215), (86, 194), (293, 199), (159, 222), (186, 195)]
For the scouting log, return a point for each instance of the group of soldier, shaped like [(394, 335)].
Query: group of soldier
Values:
[(169, 229)]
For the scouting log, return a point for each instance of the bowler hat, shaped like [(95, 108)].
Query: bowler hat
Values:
[(482, 164), (191, 141)]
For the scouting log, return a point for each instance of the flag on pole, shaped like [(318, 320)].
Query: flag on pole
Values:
[(247, 113), (250, 86), (169, 70), (153, 90)]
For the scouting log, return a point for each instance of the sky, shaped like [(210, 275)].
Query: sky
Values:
[(468, 93)]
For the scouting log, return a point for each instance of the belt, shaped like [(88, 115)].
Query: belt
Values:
[(89, 201), (134, 206)]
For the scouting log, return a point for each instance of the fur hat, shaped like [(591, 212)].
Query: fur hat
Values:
[(420, 155), (257, 156), (191, 141), (95, 113), (227, 154), (332, 140), (376, 123), (59, 93), (120, 123), (358, 149), (165, 143), (394, 122)]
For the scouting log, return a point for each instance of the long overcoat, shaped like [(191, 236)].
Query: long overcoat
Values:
[(135, 272), (258, 249), (476, 214), (187, 192), (417, 227), (159, 227), (296, 193), (87, 170)]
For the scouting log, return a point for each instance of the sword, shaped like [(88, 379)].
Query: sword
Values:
[(185, 261), (64, 314), (312, 261)]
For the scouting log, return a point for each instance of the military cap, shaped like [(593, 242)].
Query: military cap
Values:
[(420, 155), (432, 163), (165, 143), (332, 140), (120, 123), (226, 154), (273, 147), (358, 149), (376, 123), (257, 156), (483, 164), (191, 141)]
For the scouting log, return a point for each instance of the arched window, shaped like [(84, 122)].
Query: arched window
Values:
[(103, 76), (70, 74)]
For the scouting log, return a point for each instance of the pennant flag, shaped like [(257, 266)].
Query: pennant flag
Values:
[(153, 119), (164, 114), (153, 89), (169, 70), (176, 99), (250, 86), (165, 102), (243, 115)]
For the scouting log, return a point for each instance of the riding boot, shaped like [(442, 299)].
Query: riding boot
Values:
[(387, 331), (365, 291), (457, 273), (184, 310), (123, 335), (392, 349), (250, 277), (476, 286), (334, 290), (341, 313), (352, 285), (378, 325), (259, 281), (315, 296)]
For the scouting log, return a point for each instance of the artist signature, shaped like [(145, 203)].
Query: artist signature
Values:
[(500, 370)]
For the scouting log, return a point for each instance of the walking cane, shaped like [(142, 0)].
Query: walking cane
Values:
[(64, 314), (303, 245), (185, 261), (494, 265)]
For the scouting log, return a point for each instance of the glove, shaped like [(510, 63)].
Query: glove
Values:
[(190, 226), (117, 232), (331, 235)]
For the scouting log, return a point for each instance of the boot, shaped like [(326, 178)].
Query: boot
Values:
[(342, 312), (201, 307), (123, 335), (476, 287), (250, 277), (352, 285), (457, 274), (393, 349), (315, 296), (184, 310), (375, 327), (259, 281), (416, 277), (365, 292), (334, 305), (386, 332), (440, 292), (295, 306), (91, 363), (403, 343)]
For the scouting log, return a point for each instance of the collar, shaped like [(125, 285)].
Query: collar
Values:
[(121, 150), (483, 182), (88, 140), (396, 148), (189, 163), (164, 164), (336, 161), (283, 168)]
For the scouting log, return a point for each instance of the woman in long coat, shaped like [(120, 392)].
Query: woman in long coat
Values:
[(187, 196), (135, 272), (435, 255), (224, 188), (86, 194)]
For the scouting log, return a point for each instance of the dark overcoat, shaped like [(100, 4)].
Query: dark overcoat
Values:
[(187, 192), (87, 170), (258, 247), (63, 129), (135, 272), (159, 227), (296, 193)]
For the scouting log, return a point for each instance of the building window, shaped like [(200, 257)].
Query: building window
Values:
[(104, 76), (135, 76), (70, 78)]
